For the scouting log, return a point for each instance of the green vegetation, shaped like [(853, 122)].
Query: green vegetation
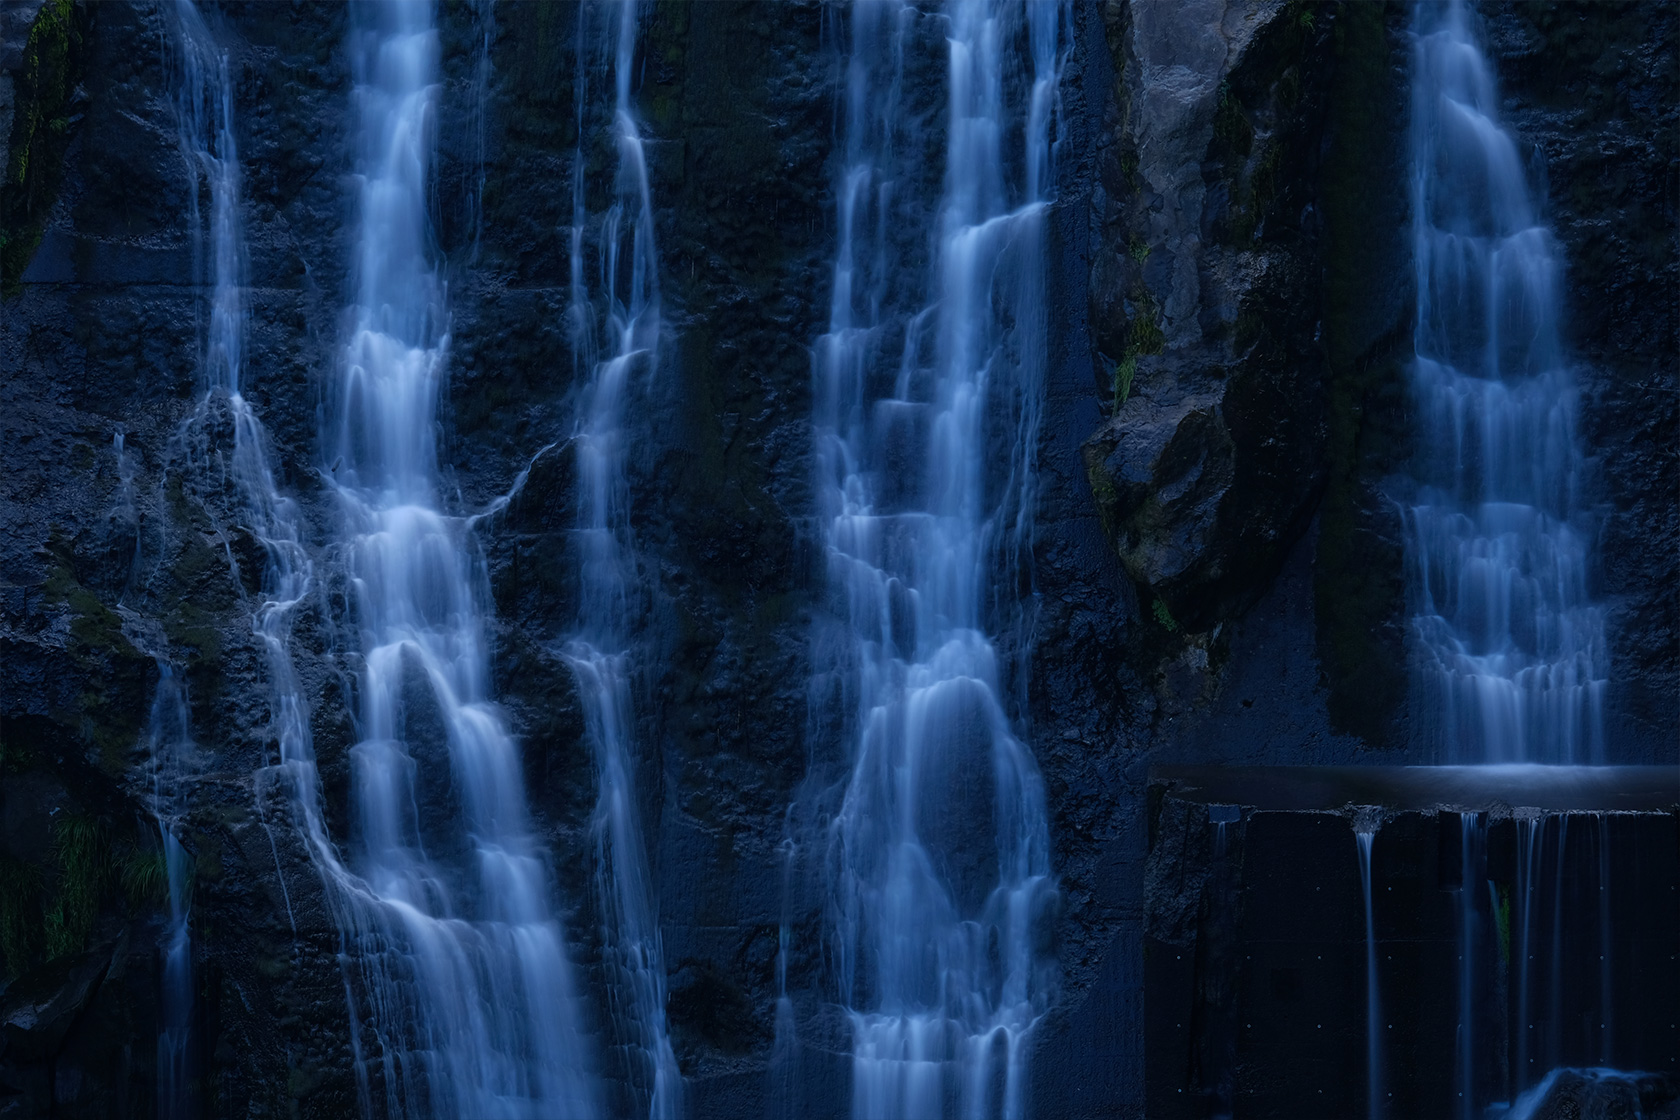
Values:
[(1143, 336), (20, 914), (115, 675), (1232, 133), (1124, 371), (47, 913), (42, 126), (145, 878), (83, 856), (1164, 617)]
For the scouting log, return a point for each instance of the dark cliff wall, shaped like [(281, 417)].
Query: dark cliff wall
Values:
[(1217, 573)]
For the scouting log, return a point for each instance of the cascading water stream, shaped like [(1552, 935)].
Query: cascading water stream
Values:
[(599, 651), (1469, 891), (205, 111), (1366, 839), (1510, 649), (204, 105), (169, 750), (1606, 946), (1562, 914), (937, 869), (456, 949)]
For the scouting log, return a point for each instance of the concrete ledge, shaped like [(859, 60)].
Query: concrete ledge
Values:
[(1634, 789)]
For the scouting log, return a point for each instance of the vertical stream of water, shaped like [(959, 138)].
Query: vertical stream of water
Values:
[(1366, 838), (458, 953), (938, 866), (169, 749), (625, 351), (1509, 646)]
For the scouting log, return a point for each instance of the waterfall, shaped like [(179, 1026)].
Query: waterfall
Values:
[(1510, 649), (1472, 860), (1606, 946), (205, 112), (599, 650), (457, 953), (1527, 893), (1564, 1014), (1554, 1020), (169, 749), (1366, 838), (938, 873)]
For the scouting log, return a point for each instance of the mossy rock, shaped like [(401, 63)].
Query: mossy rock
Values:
[(44, 121)]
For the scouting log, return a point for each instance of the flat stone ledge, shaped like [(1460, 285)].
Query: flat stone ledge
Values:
[(1568, 789)]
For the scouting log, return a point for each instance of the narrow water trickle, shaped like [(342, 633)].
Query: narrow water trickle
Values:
[(169, 749), (1529, 851), (205, 113), (1366, 838), (1606, 946), (456, 956), (1509, 646), (204, 107), (620, 353), (927, 392), (1469, 944), (1554, 976)]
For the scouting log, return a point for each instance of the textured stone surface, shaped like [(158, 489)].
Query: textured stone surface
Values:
[(1204, 302), (1202, 176)]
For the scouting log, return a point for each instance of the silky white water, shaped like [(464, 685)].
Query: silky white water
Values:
[(457, 956), (618, 346), (459, 973), (1510, 647), (927, 393)]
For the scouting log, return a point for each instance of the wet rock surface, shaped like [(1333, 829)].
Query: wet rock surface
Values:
[(1204, 313), (1206, 386), (1592, 1095)]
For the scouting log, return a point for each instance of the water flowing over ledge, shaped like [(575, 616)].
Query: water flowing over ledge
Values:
[(1511, 659), (456, 957), (937, 865)]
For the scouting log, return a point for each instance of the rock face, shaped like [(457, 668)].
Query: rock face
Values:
[(1231, 315), (1204, 305), (1590, 1095)]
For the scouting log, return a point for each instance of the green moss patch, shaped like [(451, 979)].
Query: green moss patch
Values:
[(43, 123)]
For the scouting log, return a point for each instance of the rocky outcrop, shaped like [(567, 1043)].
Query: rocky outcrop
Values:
[(1205, 308), (1586, 1093)]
